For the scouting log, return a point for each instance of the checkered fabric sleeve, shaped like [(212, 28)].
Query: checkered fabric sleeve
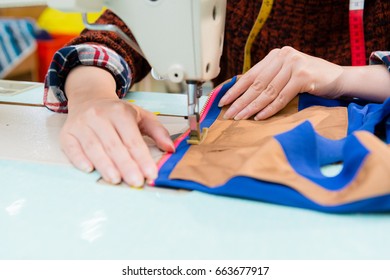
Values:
[(381, 57), (71, 56)]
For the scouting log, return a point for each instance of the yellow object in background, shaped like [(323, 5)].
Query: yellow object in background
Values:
[(57, 22), (264, 12), (62, 27)]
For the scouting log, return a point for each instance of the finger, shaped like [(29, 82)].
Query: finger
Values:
[(94, 150), (285, 96), (260, 84), (153, 128), (118, 152), (248, 78), (268, 95), (237, 89), (75, 153), (137, 148)]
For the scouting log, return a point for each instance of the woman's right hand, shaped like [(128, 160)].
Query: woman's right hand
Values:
[(275, 80), (104, 133)]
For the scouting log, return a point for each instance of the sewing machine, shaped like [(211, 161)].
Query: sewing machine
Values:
[(181, 39)]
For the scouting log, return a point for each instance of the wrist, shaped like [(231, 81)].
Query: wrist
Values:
[(366, 82), (86, 83)]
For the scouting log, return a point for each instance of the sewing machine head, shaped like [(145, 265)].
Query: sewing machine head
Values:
[(181, 39)]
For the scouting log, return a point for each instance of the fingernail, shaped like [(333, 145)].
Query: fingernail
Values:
[(228, 115), (113, 177), (258, 117), (221, 102), (135, 180), (240, 116), (138, 183), (85, 167), (151, 174), (150, 181)]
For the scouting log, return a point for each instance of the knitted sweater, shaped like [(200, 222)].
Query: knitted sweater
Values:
[(316, 27)]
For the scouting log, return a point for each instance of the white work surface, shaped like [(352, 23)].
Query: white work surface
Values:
[(50, 210)]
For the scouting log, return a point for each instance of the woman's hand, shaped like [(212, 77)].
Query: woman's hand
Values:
[(105, 133), (273, 82)]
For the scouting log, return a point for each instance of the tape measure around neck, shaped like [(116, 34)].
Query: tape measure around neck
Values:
[(265, 10), (356, 31)]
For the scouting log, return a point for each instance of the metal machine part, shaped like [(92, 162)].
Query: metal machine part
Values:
[(194, 93)]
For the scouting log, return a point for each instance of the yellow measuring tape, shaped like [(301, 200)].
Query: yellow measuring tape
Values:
[(264, 12)]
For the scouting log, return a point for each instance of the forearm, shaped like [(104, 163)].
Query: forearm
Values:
[(88, 82), (366, 82)]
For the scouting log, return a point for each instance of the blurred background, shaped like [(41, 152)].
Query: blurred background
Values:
[(30, 33)]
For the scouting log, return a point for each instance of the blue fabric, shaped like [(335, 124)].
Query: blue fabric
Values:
[(304, 149), (371, 117), (17, 39), (362, 115), (306, 152)]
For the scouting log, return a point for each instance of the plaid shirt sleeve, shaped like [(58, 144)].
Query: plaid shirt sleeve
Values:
[(69, 57), (381, 57)]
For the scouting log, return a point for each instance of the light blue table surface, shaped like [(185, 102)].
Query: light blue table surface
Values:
[(57, 212), (53, 211)]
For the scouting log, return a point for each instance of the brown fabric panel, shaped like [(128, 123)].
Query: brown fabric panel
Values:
[(212, 165), (236, 147)]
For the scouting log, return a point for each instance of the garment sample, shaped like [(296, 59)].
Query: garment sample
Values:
[(279, 160)]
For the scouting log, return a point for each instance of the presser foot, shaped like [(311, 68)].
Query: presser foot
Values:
[(196, 137)]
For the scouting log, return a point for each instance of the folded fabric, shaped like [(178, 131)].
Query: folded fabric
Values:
[(17, 41), (281, 159)]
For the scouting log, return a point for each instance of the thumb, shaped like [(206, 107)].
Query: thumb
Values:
[(150, 126)]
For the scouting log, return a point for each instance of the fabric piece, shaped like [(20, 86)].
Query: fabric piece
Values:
[(285, 167), (362, 114), (17, 41), (244, 147)]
